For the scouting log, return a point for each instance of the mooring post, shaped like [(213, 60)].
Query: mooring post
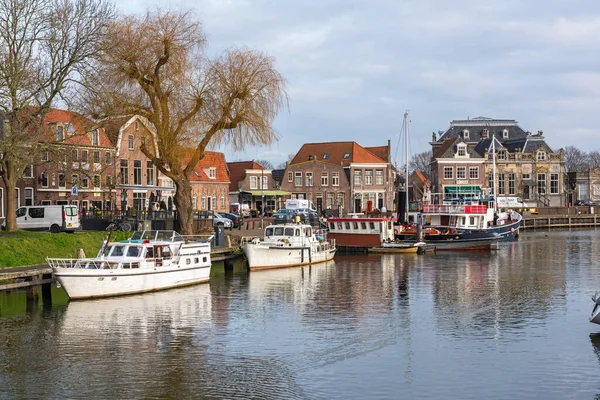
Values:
[(47, 290)]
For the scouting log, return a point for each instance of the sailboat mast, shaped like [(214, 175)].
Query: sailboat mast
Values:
[(494, 169), (406, 164)]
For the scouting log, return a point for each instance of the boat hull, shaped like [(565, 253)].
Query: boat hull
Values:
[(395, 249), (461, 243), (262, 256), (80, 283)]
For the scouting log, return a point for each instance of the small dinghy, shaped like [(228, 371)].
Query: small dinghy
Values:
[(595, 317)]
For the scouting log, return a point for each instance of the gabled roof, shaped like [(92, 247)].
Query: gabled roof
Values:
[(343, 153), (476, 126), (82, 128), (211, 159), (530, 144), (380, 151), (449, 148), (484, 145), (237, 172), (418, 175)]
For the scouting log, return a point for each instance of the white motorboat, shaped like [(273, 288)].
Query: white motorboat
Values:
[(287, 245), (595, 317), (148, 261)]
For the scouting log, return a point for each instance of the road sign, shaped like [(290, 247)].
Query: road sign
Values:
[(74, 190)]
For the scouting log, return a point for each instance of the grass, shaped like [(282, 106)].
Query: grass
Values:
[(31, 248)]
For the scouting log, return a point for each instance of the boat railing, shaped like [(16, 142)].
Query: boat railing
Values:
[(91, 263), (454, 209), (198, 238)]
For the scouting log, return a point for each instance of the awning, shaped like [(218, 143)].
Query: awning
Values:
[(267, 192), (462, 189)]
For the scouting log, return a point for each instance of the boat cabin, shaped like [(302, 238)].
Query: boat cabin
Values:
[(361, 232)]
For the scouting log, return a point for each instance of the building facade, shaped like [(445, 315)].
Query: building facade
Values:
[(342, 176), (210, 183), (525, 166)]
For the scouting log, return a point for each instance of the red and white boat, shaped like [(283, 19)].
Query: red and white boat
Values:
[(360, 234)]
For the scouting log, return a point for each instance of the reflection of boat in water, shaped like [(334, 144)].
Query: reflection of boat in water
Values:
[(595, 317), (181, 308), (149, 261), (287, 245), (400, 247)]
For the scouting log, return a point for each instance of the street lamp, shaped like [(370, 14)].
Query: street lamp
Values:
[(123, 201)]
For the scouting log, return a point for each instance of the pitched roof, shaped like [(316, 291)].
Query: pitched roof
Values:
[(336, 153), (211, 159), (82, 128), (380, 151), (237, 172)]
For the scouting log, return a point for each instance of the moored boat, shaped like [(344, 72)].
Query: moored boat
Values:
[(360, 233), (148, 261), (288, 245), (595, 317)]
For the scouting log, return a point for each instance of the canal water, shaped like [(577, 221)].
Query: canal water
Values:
[(511, 324)]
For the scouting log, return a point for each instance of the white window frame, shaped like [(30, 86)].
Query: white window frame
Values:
[(130, 142), (541, 156), (32, 191), (253, 182), (309, 178), (298, 178), (335, 179), (379, 177), (473, 172), (30, 166), (290, 176), (324, 179), (95, 137), (369, 177), (461, 172), (212, 173), (461, 150), (448, 173), (42, 179), (554, 178)]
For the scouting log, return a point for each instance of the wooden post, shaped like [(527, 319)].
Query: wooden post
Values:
[(47, 291)]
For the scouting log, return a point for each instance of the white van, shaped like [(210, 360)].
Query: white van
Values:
[(53, 218), (294, 204), (511, 202)]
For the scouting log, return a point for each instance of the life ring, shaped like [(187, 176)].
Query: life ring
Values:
[(512, 230), (396, 231)]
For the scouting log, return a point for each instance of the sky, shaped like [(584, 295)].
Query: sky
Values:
[(354, 67)]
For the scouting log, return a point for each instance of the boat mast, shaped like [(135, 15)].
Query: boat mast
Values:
[(406, 165), (494, 169)]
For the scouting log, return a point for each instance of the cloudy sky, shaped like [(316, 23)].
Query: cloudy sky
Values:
[(353, 67)]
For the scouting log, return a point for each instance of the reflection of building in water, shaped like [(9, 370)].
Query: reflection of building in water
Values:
[(501, 290)]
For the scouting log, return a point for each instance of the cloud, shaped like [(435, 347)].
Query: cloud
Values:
[(353, 67)]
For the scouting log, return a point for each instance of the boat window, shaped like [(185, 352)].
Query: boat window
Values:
[(166, 252), (149, 252), (363, 226), (203, 259), (307, 232), (331, 225), (339, 226), (380, 226), (196, 260), (297, 232), (390, 225), (133, 251), (269, 232), (348, 225), (472, 221), (372, 225), (188, 261), (289, 231), (279, 231), (117, 251), (355, 225)]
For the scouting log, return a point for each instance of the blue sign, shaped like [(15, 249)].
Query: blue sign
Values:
[(74, 190)]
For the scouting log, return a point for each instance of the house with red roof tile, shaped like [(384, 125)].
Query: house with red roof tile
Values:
[(76, 168), (210, 183), (253, 185), (342, 176)]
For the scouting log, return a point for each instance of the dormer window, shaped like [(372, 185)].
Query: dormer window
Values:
[(70, 129), (466, 134), (95, 139), (212, 172), (347, 155), (505, 134), (325, 156), (541, 155), (60, 133), (461, 150), (501, 155)]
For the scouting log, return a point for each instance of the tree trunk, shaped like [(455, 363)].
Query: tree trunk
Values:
[(11, 202), (183, 202)]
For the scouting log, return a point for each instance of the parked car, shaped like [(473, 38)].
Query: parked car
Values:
[(47, 218), (284, 214), (586, 203), (216, 217), (236, 220)]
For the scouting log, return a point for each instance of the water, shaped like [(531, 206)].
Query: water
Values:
[(509, 324)]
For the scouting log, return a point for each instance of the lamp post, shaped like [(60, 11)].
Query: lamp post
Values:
[(123, 201), (262, 196)]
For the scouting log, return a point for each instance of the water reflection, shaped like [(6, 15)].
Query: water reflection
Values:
[(506, 324)]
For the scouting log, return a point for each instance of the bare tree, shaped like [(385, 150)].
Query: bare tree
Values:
[(575, 159), (265, 164), (420, 162), (45, 46), (154, 66), (284, 164)]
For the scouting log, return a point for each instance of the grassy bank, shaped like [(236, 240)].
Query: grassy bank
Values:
[(29, 248)]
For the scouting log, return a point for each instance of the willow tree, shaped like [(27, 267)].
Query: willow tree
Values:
[(155, 66), (45, 46)]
